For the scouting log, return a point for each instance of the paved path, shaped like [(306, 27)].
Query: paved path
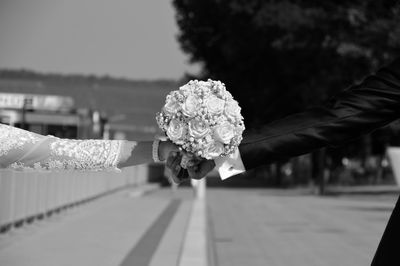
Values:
[(245, 227), (127, 228), (274, 227)]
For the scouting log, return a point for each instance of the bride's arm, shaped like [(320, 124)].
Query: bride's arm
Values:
[(21, 149), (141, 152)]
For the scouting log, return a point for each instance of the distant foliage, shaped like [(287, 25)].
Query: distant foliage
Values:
[(278, 57), (30, 75)]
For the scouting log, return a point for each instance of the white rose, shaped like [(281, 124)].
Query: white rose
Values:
[(214, 104), (198, 129), (214, 149), (204, 84), (224, 132), (176, 131), (232, 109), (172, 106), (239, 130), (185, 88), (190, 106)]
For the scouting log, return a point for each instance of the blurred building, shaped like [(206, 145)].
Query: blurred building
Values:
[(50, 115), (83, 106)]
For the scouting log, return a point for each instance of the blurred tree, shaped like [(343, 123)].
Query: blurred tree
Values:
[(279, 57), (24, 74)]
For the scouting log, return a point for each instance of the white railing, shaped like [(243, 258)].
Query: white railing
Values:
[(25, 195)]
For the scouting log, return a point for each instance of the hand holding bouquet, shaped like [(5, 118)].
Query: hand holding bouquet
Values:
[(203, 119)]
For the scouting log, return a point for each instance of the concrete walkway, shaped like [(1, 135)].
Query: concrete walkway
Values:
[(127, 228), (288, 227), (244, 227)]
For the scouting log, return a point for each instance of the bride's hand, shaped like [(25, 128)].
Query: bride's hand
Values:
[(176, 173), (165, 148), (197, 168)]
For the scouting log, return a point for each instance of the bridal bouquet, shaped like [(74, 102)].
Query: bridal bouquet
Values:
[(203, 119)]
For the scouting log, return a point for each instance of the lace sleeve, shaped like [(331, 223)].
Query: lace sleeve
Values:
[(21, 149)]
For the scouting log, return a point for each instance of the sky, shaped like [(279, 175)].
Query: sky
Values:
[(122, 38)]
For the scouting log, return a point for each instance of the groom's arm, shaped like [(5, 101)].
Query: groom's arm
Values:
[(358, 110)]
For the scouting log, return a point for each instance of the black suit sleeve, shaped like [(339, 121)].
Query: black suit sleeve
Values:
[(358, 110)]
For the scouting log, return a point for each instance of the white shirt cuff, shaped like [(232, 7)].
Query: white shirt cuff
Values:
[(230, 165)]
